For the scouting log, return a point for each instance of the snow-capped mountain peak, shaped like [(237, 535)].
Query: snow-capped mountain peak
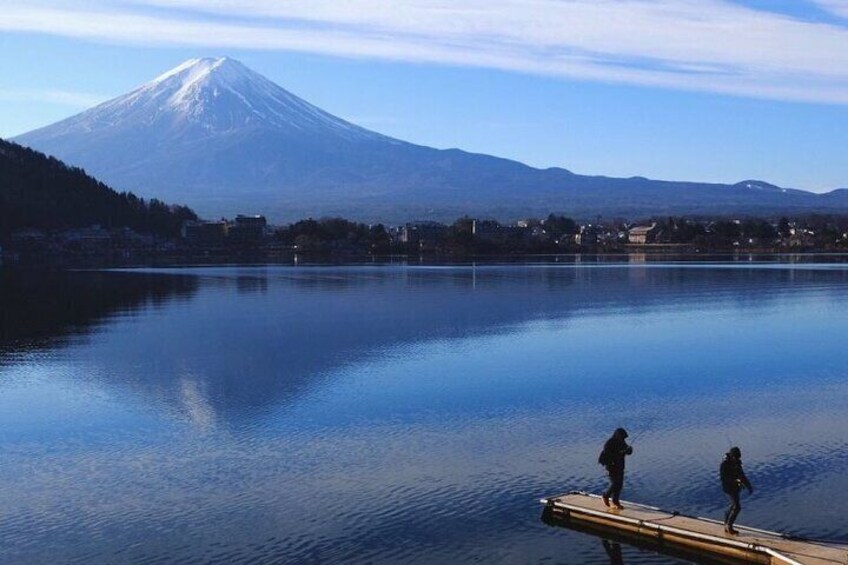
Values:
[(196, 68), (214, 94), (189, 81)]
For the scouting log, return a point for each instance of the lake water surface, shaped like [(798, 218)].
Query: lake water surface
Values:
[(406, 414)]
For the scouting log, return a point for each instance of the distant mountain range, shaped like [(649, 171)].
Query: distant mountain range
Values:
[(225, 140)]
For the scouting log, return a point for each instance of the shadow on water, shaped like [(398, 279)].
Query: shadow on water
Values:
[(612, 540), (44, 309)]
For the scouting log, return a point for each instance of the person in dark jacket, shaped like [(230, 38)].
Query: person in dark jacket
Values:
[(612, 458), (732, 480)]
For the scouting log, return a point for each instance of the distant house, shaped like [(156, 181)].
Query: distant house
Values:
[(802, 237), (247, 229), (589, 235), (205, 233), (491, 230), (422, 232), (638, 235), (88, 240), (126, 237)]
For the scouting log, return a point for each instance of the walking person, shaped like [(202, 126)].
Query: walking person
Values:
[(612, 458), (732, 480)]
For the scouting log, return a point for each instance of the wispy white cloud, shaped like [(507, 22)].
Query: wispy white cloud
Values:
[(51, 96), (836, 7), (705, 45)]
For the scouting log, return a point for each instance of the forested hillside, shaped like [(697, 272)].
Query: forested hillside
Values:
[(41, 192)]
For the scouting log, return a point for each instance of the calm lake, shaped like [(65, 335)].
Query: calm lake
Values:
[(409, 414)]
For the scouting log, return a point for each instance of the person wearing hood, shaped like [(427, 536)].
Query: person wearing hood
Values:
[(612, 458), (732, 480)]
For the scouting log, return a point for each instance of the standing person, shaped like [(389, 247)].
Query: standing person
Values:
[(612, 458), (732, 480)]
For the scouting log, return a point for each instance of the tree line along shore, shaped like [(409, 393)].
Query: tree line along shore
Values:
[(252, 239)]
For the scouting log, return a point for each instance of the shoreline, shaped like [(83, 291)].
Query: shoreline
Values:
[(634, 255)]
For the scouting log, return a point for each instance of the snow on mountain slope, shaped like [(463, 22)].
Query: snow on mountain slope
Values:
[(215, 94)]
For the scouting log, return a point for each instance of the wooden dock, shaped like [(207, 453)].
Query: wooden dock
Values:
[(693, 535)]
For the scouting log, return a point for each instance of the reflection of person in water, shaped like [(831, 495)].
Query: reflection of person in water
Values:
[(612, 458), (613, 550), (732, 480)]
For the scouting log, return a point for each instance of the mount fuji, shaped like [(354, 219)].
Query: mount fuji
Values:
[(225, 140)]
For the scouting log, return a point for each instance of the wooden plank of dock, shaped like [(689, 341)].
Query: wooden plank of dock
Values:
[(699, 534)]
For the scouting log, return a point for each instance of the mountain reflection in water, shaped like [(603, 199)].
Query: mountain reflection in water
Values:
[(389, 413), (46, 308)]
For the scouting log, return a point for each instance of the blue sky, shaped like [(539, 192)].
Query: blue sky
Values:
[(708, 90)]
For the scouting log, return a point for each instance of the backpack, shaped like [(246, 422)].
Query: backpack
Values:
[(604, 457)]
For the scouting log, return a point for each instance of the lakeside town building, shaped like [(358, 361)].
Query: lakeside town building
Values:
[(244, 229), (422, 232), (638, 235)]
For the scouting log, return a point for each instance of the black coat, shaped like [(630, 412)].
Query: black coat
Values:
[(615, 450), (732, 476)]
